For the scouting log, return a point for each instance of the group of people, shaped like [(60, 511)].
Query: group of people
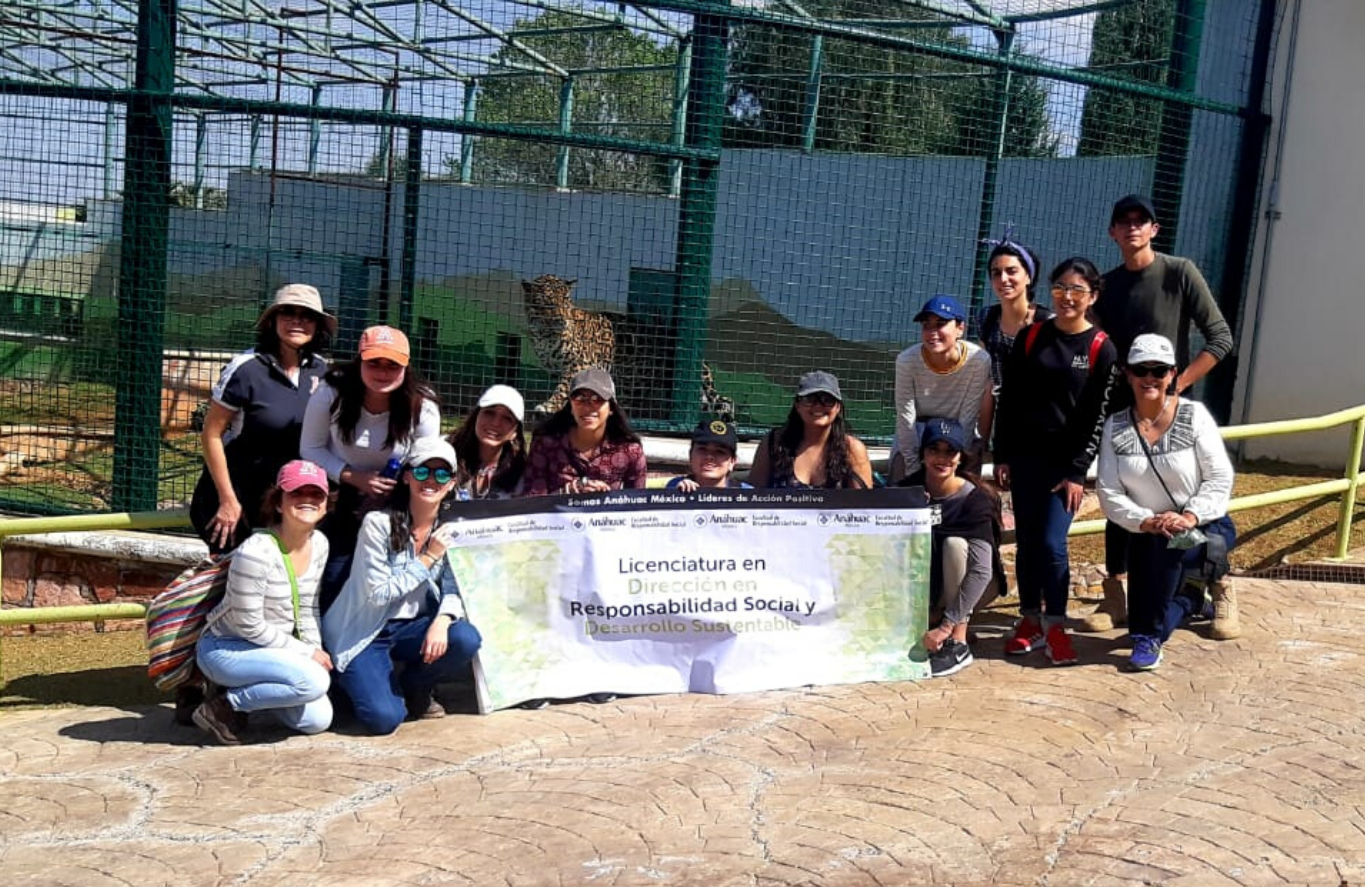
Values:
[(333, 485), (1101, 376)]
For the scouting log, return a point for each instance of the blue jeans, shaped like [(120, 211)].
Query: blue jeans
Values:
[(1157, 603), (1041, 521), (378, 692), (289, 685)]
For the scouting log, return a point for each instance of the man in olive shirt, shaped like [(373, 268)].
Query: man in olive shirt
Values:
[(1151, 292)]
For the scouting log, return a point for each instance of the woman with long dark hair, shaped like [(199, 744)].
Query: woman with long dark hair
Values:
[(363, 420), (1056, 395), (491, 446), (256, 415), (401, 604), (816, 446), (587, 446)]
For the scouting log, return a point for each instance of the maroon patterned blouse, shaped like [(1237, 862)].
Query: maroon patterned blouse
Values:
[(553, 463)]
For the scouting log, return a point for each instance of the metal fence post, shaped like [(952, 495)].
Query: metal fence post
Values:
[(142, 261), (471, 110), (1348, 499), (1000, 110), (1173, 136), (565, 127), (697, 206), (407, 261)]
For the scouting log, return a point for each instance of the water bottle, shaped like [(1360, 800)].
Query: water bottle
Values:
[(392, 469)]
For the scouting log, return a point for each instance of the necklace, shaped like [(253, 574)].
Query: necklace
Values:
[(1151, 423)]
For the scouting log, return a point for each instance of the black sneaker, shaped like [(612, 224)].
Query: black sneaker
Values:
[(951, 658), (600, 698)]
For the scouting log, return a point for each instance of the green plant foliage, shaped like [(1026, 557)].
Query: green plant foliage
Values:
[(1132, 41), (636, 105), (874, 100)]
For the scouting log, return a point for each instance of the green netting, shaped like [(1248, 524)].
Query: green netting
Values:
[(752, 190)]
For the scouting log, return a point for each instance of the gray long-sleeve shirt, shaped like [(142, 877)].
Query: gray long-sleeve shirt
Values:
[(1164, 298)]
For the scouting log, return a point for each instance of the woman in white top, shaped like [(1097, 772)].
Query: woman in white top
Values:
[(262, 644), (358, 426), (941, 377), (1165, 477)]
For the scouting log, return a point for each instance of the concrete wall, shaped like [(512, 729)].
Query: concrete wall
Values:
[(1305, 356)]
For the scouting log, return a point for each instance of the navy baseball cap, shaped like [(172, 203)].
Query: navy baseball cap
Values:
[(945, 307), (945, 430), (714, 431), (1131, 203)]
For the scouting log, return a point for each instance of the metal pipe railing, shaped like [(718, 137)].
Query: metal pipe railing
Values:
[(1349, 486)]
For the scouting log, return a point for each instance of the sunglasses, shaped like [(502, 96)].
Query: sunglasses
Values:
[(1156, 371), (587, 397), (422, 472), (820, 398)]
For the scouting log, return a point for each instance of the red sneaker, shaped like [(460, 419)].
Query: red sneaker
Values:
[(1027, 637), (1059, 649)]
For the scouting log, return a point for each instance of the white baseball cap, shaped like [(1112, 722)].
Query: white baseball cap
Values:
[(504, 396), (1151, 348)]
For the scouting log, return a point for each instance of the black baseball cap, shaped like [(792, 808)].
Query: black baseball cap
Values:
[(1132, 202), (714, 431)]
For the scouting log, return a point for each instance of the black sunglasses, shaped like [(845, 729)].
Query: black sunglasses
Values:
[(1144, 370), (820, 398), (422, 472)]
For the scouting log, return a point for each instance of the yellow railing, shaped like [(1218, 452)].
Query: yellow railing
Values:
[(25, 526), (1349, 484)]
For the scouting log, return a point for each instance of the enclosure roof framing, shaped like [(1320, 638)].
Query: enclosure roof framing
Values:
[(290, 50)]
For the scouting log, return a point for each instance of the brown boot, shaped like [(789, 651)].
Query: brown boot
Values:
[(1226, 623), (1112, 611)]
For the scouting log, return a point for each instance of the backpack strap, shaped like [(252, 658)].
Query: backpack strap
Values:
[(1095, 345), (1031, 336)]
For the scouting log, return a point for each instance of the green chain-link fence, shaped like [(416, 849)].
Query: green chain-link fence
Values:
[(757, 189)]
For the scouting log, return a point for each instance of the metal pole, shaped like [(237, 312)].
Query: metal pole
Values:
[(142, 261), (1000, 106), (314, 132), (1348, 499), (1218, 388), (1173, 137), (565, 127), (407, 262), (471, 107), (681, 78), (255, 157), (201, 138), (697, 206), (817, 59), (110, 176)]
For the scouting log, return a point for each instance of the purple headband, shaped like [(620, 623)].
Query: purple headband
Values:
[(1017, 248)]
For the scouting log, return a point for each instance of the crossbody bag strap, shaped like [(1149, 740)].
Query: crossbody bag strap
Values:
[(293, 580), (1147, 451)]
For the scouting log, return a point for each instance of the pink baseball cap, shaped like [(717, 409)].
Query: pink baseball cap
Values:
[(385, 341), (299, 474)]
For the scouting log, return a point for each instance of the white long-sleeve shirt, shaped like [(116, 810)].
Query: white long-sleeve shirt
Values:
[(1190, 456), (923, 394), (258, 604), (321, 440)]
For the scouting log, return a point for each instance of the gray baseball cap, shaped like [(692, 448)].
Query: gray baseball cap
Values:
[(816, 381)]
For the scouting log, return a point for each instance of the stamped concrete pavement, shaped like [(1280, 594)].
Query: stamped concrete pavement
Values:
[(1236, 763)]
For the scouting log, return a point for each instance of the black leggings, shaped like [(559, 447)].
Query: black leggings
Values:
[(1115, 549)]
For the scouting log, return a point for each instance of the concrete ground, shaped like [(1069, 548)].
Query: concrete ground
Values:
[(1241, 762)]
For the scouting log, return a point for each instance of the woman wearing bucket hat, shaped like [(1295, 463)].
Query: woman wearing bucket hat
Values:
[(363, 420), (256, 415), (491, 446), (1165, 477), (401, 605), (816, 446), (262, 646), (587, 446)]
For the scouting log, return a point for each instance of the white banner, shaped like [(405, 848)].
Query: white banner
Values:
[(717, 592)]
